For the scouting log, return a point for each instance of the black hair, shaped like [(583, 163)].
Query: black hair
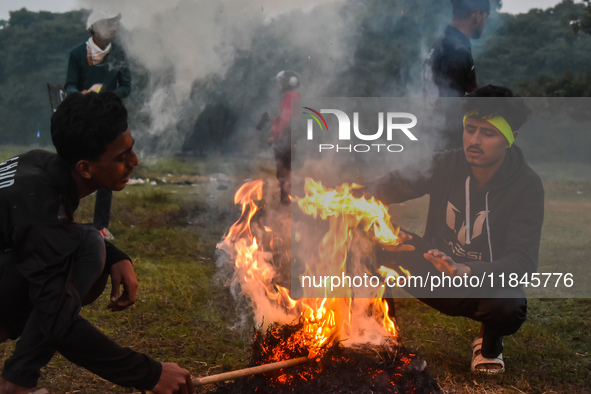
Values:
[(84, 124), (462, 9), (501, 102)]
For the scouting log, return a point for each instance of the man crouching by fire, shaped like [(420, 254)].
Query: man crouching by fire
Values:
[(484, 223), (50, 266)]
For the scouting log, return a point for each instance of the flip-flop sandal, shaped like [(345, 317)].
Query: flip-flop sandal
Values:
[(479, 361)]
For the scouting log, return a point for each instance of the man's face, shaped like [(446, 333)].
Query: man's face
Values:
[(115, 165), (484, 144), (106, 29), (480, 21)]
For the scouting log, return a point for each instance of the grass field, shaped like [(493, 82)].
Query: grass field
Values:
[(170, 226)]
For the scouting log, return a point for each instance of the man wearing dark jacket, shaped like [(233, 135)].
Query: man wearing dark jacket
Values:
[(100, 64), (449, 69), (485, 217), (50, 265), (449, 65)]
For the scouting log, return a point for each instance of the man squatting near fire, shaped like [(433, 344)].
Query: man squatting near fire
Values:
[(485, 215), (50, 266), (449, 69), (287, 83), (99, 63)]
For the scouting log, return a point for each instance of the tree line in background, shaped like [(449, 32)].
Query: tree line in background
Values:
[(540, 53)]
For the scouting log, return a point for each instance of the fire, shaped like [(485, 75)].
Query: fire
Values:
[(326, 320), (340, 203)]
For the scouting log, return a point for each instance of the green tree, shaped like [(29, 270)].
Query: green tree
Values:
[(516, 48), (34, 47)]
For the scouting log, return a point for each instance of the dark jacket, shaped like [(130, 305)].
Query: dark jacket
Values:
[(504, 216), (38, 197), (449, 65), (113, 72)]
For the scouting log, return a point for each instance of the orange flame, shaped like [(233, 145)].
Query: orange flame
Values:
[(325, 320)]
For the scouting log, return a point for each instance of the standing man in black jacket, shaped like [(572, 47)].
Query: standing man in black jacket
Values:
[(449, 65), (485, 218), (50, 265), (449, 69)]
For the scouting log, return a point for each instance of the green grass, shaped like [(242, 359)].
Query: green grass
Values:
[(184, 315)]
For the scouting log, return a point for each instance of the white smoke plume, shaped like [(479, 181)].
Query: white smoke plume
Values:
[(180, 42)]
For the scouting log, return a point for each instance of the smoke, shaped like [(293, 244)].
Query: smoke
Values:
[(199, 54), (223, 55), (184, 43)]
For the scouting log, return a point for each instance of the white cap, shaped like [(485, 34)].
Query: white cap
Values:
[(99, 15)]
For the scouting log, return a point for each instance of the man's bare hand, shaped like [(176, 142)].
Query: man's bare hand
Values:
[(122, 274), (174, 379), (401, 246), (445, 264)]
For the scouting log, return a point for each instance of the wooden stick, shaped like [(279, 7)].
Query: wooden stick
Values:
[(240, 373)]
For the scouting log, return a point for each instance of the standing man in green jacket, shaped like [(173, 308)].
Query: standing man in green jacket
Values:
[(99, 64)]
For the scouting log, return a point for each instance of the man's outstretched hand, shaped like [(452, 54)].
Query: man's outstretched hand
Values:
[(122, 274), (402, 246), (445, 264)]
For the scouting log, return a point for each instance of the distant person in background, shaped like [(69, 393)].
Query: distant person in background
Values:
[(449, 69), (287, 82), (99, 64)]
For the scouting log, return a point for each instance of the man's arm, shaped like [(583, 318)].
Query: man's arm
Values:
[(73, 74), (84, 345), (402, 185), (123, 82), (395, 187), (123, 76), (453, 74)]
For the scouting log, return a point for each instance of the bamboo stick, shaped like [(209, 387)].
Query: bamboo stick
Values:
[(240, 373)]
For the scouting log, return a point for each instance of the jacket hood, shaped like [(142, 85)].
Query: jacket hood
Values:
[(510, 170)]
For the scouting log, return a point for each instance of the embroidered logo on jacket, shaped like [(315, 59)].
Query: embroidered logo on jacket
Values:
[(455, 220), (458, 225)]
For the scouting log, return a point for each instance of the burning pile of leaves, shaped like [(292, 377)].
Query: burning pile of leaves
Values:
[(341, 343), (390, 368)]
